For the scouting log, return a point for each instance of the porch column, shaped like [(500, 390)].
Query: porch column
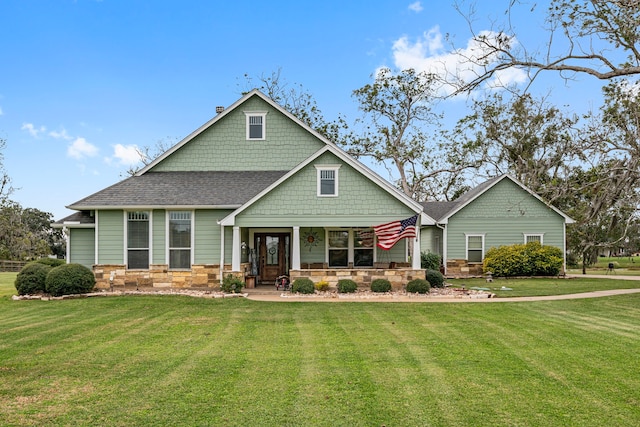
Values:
[(235, 257), (415, 258), (295, 249), (221, 252)]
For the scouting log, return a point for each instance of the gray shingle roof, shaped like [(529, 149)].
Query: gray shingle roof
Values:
[(82, 217), (182, 189)]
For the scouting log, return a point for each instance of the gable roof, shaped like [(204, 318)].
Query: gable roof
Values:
[(442, 211), (342, 155), (181, 189), (226, 111)]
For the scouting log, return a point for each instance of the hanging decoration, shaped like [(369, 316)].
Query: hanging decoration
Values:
[(311, 239)]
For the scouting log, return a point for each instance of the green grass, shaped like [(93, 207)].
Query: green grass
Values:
[(180, 361), (545, 286)]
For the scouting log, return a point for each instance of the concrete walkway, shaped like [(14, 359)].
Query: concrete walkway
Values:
[(279, 296)]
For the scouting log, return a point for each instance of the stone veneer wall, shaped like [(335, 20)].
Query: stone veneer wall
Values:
[(363, 277), (159, 276), (460, 268)]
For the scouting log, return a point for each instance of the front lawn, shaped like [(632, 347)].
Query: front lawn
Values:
[(181, 361), (505, 287)]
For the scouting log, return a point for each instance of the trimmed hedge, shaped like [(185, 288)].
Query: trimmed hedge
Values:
[(51, 262), (31, 279), (435, 278), (418, 286), (347, 286), (68, 279), (303, 285), (381, 285), (531, 259)]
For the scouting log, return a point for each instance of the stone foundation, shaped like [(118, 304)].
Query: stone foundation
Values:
[(363, 277), (461, 268), (200, 276)]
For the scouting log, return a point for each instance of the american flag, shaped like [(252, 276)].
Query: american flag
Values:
[(389, 233)]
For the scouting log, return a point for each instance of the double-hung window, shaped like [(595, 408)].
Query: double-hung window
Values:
[(363, 247), (338, 248), (137, 240), (180, 239), (327, 181), (256, 125), (475, 248)]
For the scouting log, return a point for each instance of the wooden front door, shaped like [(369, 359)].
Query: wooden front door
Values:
[(273, 255)]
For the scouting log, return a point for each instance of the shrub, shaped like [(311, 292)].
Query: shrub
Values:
[(418, 286), (303, 285), (51, 262), (322, 286), (231, 284), (381, 285), (531, 259), (68, 279), (435, 279), (347, 286), (429, 261), (31, 279)]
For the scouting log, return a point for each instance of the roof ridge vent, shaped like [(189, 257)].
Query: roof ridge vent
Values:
[(219, 109)]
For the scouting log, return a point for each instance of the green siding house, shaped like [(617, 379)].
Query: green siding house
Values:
[(257, 194), (500, 211), (254, 193)]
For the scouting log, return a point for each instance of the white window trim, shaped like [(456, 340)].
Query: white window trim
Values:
[(350, 247), (541, 235), (126, 236), (263, 114), (466, 246), (167, 238), (319, 169)]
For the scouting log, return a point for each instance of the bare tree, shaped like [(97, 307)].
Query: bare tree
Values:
[(149, 153), (5, 181), (600, 38)]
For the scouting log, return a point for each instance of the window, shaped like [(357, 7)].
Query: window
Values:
[(137, 240), (363, 247), (475, 247), (350, 247), (338, 248), (327, 180), (256, 125), (179, 239), (528, 238)]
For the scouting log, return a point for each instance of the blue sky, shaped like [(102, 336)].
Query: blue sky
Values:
[(84, 81)]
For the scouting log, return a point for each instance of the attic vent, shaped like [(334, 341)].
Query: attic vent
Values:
[(219, 109)]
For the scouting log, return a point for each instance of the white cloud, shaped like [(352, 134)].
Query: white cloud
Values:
[(125, 154), (416, 7), (33, 130), (426, 54), (60, 135), (80, 148)]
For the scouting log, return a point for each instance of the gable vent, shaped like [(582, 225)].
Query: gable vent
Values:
[(219, 109)]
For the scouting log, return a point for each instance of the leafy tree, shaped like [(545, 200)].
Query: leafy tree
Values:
[(528, 138), (595, 37), (400, 131), (26, 234)]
